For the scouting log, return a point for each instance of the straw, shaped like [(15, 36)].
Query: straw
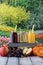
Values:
[(33, 28), (15, 28)]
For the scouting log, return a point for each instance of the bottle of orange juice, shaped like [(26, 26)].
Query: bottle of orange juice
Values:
[(31, 36)]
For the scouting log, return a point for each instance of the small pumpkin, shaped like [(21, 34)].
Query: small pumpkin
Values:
[(38, 50)]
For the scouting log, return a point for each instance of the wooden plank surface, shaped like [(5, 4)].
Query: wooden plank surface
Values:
[(33, 60), (25, 61), (3, 60), (42, 58), (12, 61), (36, 61)]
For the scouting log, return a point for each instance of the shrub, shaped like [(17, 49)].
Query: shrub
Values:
[(13, 15), (6, 28)]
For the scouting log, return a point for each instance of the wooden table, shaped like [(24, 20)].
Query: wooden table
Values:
[(33, 60)]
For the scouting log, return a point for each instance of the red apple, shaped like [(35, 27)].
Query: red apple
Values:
[(6, 47), (3, 51)]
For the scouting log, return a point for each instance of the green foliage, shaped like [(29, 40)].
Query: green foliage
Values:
[(37, 18), (36, 9), (5, 34), (40, 40), (13, 15), (28, 4)]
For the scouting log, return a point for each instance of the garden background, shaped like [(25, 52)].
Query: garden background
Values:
[(23, 13)]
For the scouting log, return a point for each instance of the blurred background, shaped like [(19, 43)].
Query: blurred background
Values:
[(23, 13)]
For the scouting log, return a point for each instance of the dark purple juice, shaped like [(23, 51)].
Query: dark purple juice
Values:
[(14, 37)]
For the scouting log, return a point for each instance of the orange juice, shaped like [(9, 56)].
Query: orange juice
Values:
[(31, 36)]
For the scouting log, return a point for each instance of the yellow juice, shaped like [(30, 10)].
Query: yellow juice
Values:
[(31, 37), (23, 36)]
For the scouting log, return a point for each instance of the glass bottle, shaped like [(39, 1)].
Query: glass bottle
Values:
[(31, 36), (23, 37), (15, 37)]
